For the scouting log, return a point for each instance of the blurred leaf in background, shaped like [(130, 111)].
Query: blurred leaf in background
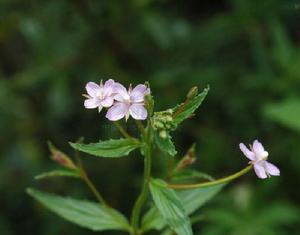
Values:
[(243, 214), (287, 113)]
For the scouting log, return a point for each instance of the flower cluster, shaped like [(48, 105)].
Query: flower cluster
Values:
[(162, 122), (258, 158), (119, 101)]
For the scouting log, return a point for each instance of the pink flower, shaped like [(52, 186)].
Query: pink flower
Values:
[(258, 158), (128, 103), (99, 96)]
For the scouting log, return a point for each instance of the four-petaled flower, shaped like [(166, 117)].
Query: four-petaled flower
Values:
[(128, 103), (99, 96), (258, 158)]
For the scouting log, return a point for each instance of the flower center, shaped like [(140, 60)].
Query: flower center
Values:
[(127, 98), (263, 156), (100, 94)]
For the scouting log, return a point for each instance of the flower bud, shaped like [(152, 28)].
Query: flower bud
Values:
[(169, 111), (163, 134), (192, 93), (60, 157), (149, 104), (157, 124), (188, 159)]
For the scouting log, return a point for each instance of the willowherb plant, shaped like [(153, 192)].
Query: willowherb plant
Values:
[(174, 200)]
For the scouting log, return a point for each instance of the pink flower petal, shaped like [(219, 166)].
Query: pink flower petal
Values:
[(138, 111), (92, 103), (258, 148), (92, 89), (121, 92), (108, 87), (117, 111), (138, 93), (271, 169), (107, 102), (249, 154), (119, 98), (260, 170)]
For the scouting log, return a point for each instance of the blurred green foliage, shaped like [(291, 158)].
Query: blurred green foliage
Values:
[(248, 51)]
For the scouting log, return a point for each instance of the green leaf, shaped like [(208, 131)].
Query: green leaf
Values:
[(170, 207), (192, 199), (286, 113), (83, 213), (165, 144), (186, 109), (152, 220), (109, 148), (58, 173)]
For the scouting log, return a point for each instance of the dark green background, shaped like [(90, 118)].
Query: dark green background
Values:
[(249, 53)]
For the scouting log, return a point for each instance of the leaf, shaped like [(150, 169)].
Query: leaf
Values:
[(192, 200), (186, 109), (83, 213), (165, 144), (152, 220), (109, 148), (58, 173), (286, 113), (170, 207)]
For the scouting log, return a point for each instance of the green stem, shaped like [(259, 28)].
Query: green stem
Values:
[(92, 187), (145, 190), (88, 182), (211, 183), (140, 126), (122, 130)]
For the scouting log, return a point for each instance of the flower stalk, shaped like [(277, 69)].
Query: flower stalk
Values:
[(122, 130), (212, 183)]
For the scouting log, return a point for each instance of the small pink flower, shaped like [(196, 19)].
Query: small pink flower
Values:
[(128, 103), (258, 158), (99, 96)]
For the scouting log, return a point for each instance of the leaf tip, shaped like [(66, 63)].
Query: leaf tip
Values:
[(29, 191), (73, 145)]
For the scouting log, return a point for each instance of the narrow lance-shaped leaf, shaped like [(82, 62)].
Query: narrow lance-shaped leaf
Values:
[(109, 148), (186, 109), (164, 142), (170, 207), (192, 199), (59, 173), (83, 213)]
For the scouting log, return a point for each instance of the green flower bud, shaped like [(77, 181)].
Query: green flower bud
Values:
[(193, 92), (163, 134)]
